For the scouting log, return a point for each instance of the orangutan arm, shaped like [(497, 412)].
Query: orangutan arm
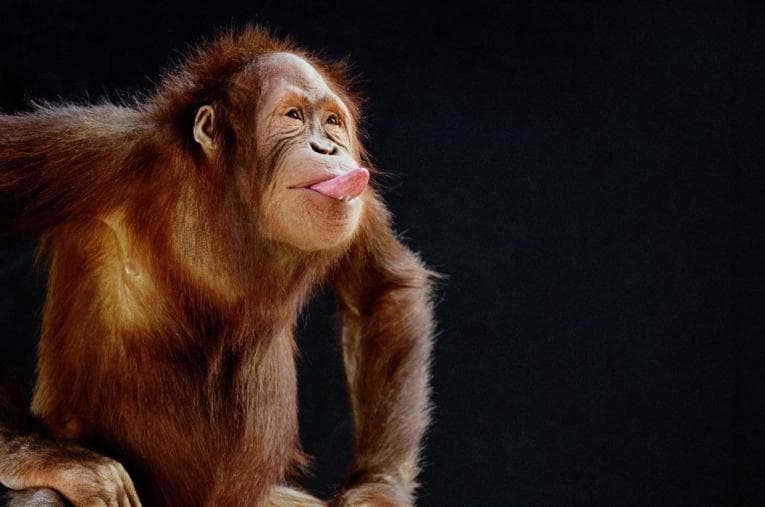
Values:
[(58, 163), (384, 295)]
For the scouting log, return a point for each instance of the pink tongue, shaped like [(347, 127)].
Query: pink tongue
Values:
[(350, 184)]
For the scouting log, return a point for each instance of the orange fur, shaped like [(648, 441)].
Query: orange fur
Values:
[(167, 336)]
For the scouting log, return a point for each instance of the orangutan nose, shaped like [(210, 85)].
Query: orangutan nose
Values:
[(325, 148)]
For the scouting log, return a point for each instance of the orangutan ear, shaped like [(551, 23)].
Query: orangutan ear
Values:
[(204, 124)]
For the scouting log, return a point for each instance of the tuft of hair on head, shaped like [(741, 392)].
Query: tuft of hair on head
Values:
[(209, 70)]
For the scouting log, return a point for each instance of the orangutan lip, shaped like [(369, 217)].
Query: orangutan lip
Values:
[(308, 188), (344, 187), (346, 198), (322, 179)]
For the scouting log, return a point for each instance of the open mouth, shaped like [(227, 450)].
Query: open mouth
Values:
[(345, 187)]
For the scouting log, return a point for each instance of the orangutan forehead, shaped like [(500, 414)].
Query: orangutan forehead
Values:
[(286, 67)]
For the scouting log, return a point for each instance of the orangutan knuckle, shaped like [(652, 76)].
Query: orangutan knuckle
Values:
[(109, 471)]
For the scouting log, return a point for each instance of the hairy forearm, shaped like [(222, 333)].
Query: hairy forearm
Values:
[(387, 347)]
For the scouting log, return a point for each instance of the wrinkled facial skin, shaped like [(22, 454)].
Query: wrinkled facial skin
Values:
[(303, 127)]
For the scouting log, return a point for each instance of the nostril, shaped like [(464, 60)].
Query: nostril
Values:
[(324, 149)]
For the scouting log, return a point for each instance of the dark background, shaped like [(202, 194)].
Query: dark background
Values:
[(585, 174)]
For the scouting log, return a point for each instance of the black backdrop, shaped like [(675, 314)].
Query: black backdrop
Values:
[(585, 176)]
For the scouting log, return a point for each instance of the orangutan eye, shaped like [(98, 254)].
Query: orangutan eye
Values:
[(333, 120), (294, 113)]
